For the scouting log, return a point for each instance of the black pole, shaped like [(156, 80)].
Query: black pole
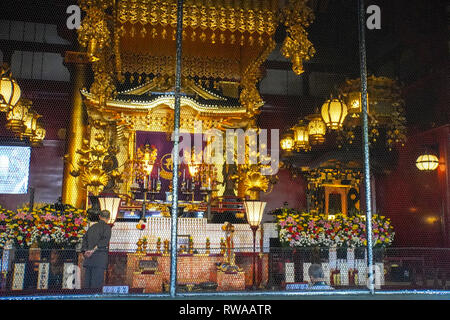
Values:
[(365, 132), (174, 218), (254, 258)]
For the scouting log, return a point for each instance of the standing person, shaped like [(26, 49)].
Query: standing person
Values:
[(316, 275), (95, 250)]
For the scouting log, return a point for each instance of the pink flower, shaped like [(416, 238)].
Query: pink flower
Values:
[(62, 218), (20, 215), (283, 224), (289, 219), (78, 221), (311, 224), (29, 217), (327, 225), (48, 216), (2, 216)]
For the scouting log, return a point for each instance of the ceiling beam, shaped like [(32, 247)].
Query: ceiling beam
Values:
[(14, 45)]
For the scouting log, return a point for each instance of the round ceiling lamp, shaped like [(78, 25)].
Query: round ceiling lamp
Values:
[(427, 162)]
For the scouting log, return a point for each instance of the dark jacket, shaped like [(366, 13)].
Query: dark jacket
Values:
[(98, 235)]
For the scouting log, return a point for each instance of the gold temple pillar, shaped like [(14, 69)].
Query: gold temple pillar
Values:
[(73, 192)]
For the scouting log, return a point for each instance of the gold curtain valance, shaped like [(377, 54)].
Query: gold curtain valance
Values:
[(224, 15), (206, 67)]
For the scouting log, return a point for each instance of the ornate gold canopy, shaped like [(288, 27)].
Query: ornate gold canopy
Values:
[(131, 47), (223, 40)]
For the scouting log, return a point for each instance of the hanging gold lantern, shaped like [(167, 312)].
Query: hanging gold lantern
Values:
[(355, 104), (316, 129), (38, 136), (9, 90), (17, 116), (334, 112), (301, 136), (427, 162), (30, 124), (287, 143)]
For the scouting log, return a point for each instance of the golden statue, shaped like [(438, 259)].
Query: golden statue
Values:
[(229, 264)]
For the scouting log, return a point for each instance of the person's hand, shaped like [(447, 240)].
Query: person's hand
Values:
[(88, 253)]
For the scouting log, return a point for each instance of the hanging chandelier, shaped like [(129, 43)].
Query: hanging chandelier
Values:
[(343, 115), (301, 136), (316, 129), (20, 118), (333, 113), (287, 143), (17, 116), (385, 108), (9, 89)]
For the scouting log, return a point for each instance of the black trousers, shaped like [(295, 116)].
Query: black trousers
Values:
[(93, 277)]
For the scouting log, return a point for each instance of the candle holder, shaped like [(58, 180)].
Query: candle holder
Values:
[(158, 246), (166, 247), (188, 189), (143, 166), (208, 246), (155, 188), (139, 249), (223, 246), (207, 198), (191, 245)]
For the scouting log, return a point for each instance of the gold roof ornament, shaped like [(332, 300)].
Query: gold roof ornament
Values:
[(296, 17)]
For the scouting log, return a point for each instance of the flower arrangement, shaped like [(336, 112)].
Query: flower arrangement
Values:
[(302, 229), (47, 226), (16, 227), (59, 228), (140, 225)]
